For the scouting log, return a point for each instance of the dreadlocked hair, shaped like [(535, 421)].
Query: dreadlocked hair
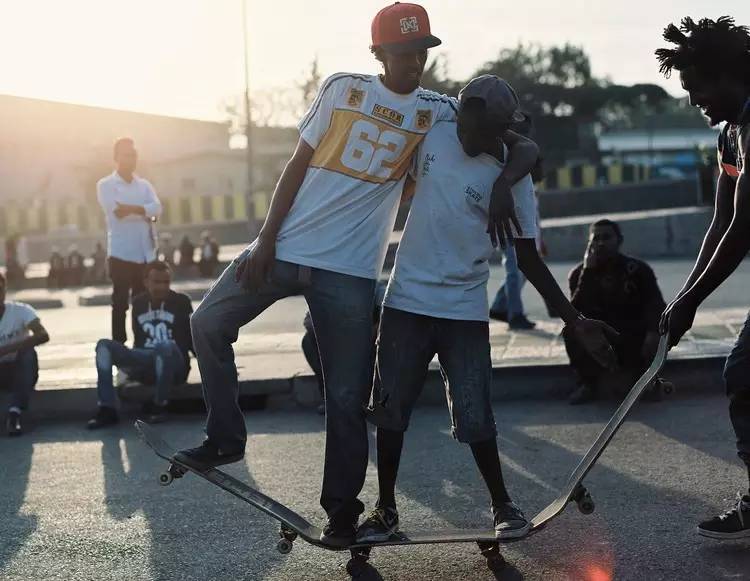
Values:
[(714, 47)]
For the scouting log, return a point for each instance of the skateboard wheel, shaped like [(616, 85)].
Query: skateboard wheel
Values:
[(356, 567), (586, 505), (496, 563), (165, 478), (284, 546)]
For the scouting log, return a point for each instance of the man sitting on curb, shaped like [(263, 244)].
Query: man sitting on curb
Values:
[(161, 353), (20, 332), (621, 291)]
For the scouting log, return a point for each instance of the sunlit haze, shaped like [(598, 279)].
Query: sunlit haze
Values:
[(183, 57)]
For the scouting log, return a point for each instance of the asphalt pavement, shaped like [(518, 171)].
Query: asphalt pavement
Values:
[(82, 505)]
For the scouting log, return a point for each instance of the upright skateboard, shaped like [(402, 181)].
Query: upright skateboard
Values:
[(293, 525)]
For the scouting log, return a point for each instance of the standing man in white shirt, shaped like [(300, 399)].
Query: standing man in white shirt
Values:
[(20, 332), (130, 206)]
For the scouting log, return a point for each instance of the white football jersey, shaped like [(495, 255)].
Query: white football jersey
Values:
[(364, 136)]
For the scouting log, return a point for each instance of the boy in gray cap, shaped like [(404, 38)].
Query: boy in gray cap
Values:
[(436, 301)]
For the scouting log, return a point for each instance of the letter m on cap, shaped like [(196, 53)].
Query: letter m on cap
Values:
[(409, 24)]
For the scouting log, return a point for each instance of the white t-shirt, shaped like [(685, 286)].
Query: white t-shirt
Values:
[(442, 267), (14, 326), (364, 136)]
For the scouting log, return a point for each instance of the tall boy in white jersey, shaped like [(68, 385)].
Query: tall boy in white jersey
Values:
[(325, 237), (436, 301)]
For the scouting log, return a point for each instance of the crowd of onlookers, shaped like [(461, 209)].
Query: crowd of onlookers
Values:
[(74, 269)]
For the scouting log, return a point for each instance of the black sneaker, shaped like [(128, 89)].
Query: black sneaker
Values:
[(499, 315), (105, 416), (208, 455), (339, 534), (379, 526), (154, 413), (521, 323), (509, 521), (733, 524), (583, 394), (13, 424)]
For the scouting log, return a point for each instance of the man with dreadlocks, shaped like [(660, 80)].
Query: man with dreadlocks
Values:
[(713, 60)]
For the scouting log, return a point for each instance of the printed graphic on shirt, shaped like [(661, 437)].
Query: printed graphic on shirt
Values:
[(374, 151), (424, 119), (356, 97), (157, 327), (387, 114)]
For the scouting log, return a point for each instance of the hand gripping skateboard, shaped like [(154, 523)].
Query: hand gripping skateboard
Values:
[(293, 525)]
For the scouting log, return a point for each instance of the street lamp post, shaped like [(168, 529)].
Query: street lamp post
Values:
[(248, 129)]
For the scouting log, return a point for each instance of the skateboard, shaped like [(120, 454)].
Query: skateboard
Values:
[(293, 525)]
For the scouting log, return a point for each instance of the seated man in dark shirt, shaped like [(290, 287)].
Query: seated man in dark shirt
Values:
[(621, 291), (161, 348)]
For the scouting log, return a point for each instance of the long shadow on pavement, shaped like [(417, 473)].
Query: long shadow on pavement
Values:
[(15, 467), (635, 523), (191, 513)]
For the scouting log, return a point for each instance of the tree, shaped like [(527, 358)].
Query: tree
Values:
[(274, 107)]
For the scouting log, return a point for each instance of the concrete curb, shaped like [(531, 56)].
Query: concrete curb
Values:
[(691, 376)]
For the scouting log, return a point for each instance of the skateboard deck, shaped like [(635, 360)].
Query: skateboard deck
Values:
[(573, 489)]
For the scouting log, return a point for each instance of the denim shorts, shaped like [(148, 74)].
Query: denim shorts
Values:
[(407, 342)]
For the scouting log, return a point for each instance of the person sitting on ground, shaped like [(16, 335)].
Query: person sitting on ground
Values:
[(445, 239), (166, 249), (20, 332), (161, 349), (187, 254), (75, 268), (623, 292), (99, 264), (209, 259), (56, 276)]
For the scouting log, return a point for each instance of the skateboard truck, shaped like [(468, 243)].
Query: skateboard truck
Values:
[(173, 471), (286, 542), (583, 499)]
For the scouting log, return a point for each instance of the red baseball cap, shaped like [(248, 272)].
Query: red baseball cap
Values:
[(402, 27)]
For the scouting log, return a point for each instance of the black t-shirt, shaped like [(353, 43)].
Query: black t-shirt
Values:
[(623, 293), (155, 322), (729, 147)]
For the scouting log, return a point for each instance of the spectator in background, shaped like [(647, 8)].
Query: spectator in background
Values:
[(75, 268), (187, 254), (20, 332), (130, 207), (56, 276), (167, 249), (99, 264), (209, 255), (508, 304), (621, 291), (161, 349), (14, 268)]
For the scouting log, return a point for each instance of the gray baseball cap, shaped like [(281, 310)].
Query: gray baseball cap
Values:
[(499, 98)]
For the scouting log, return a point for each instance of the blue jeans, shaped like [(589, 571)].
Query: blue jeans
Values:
[(737, 379), (163, 365), (20, 377), (341, 307), (508, 298)]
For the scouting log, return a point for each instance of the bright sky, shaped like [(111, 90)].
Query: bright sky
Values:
[(183, 57)]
